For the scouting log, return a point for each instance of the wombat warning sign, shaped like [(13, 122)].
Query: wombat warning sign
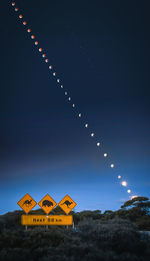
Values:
[(47, 204)]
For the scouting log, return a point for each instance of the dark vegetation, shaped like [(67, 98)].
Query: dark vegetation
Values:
[(108, 236)]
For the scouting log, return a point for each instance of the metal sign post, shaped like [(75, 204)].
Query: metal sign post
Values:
[(26, 227)]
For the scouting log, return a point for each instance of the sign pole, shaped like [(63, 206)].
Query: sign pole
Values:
[(73, 225), (67, 225)]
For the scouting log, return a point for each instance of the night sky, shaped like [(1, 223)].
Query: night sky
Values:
[(101, 52)]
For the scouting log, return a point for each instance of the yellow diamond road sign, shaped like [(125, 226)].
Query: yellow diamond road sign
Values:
[(47, 204), (67, 204), (27, 203)]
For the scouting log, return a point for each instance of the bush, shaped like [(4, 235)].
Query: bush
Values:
[(143, 223), (116, 235), (92, 240)]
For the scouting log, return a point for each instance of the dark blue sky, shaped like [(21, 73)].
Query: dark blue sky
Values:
[(101, 52)]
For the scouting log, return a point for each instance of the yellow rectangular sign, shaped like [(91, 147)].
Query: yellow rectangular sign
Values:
[(41, 220)]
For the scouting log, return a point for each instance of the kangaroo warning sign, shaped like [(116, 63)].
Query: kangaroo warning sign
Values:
[(41, 220), (27, 203), (67, 204), (47, 204)]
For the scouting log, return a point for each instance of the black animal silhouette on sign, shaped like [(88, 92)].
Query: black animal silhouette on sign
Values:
[(47, 203), (67, 203), (27, 202)]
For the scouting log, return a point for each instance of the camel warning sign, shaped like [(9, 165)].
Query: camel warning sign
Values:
[(41, 220), (67, 204), (27, 203), (47, 204)]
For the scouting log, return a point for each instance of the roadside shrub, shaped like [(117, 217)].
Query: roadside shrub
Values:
[(143, 223)]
